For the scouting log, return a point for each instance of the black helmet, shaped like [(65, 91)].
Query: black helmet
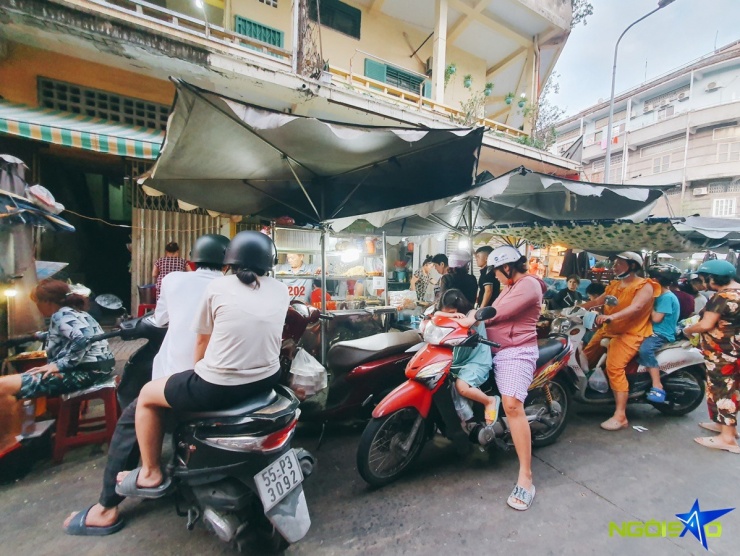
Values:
[(209, 249), (252, 250), (666, 271)]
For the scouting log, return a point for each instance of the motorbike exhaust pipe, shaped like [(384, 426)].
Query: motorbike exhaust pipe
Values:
[(224, 526), (307, 461)]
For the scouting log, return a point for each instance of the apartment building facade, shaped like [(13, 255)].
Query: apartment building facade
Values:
[(682, 128), (85, 89)]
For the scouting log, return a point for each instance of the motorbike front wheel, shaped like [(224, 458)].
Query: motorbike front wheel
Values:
[(389, 445)]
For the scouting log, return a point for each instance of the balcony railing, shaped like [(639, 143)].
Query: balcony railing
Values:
[(192, 26), (386, 91)]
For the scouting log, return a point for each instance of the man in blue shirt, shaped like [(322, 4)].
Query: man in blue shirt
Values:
[(666, 310)]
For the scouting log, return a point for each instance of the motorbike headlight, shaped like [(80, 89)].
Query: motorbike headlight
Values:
[(561, 325), (434, 334), (430, 375)]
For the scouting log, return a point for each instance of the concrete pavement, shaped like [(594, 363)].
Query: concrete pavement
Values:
[(446, 504)]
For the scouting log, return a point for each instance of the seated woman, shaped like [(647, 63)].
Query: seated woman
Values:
[(568, 296), (239, 327), (72, 362)]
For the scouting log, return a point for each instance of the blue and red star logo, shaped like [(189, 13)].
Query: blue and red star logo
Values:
[(695, 520)]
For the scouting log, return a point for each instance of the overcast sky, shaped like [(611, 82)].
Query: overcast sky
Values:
[(672, 37)]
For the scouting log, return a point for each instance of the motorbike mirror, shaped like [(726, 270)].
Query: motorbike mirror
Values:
[(429, 310), (314, 315), (611, 301), (109, 301), (485, 313)]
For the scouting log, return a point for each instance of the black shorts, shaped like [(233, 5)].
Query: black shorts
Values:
[(186, 392)]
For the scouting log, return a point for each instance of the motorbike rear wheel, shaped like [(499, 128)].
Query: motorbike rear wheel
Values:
[(389, 445), (543, 434), (696, 375)]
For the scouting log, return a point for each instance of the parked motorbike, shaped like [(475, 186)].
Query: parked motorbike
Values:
[(360, 372), (235, 468), (410, 414), (682, 369)]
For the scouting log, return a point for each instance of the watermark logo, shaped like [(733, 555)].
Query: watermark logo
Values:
[(701, 524), (695, 521)]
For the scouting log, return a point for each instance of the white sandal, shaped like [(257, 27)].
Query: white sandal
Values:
[(521, 498)]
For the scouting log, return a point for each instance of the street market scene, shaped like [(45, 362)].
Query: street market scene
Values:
[(369, 276)]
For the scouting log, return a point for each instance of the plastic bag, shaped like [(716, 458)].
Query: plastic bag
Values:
[(307, 375), (462, 405), (597, 381)]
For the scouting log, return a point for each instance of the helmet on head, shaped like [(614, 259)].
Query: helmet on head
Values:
[(505, 254), (631, 256), (459, 258), (209, 249), (717, 268), (253, 250), (665, 271)]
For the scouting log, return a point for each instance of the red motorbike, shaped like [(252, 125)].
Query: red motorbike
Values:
[(410, 414), (359, 372)]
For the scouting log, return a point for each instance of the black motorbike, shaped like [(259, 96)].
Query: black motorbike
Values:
[(233, 469)]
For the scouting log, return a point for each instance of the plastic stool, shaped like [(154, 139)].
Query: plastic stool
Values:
[(144, 308), (69, 422)]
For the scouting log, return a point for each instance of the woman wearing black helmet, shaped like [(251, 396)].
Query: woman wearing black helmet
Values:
[(237, 352), (720, 336)]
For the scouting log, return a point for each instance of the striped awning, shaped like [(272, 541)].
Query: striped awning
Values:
[(82, 132)]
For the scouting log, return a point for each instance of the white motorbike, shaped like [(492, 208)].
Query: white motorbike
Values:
[(682, 369)]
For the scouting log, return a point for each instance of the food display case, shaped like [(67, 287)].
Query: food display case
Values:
[(349, 268), (354, 267)]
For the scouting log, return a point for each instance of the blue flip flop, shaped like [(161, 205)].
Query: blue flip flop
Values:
[(656, 395), (78, 528)]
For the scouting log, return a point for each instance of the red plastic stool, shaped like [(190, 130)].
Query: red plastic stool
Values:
[(75, 430), (144, 308)]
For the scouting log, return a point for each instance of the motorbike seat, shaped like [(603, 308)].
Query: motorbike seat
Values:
[(253, 403), (549, 349), (685, 344), (345, 356)]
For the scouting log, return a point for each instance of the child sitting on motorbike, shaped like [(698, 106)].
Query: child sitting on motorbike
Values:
[(665, 319), (470, 365)]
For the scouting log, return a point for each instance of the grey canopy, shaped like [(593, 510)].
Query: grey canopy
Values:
[(234, 158)]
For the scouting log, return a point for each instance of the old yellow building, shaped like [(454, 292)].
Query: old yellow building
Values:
[(85, 92)]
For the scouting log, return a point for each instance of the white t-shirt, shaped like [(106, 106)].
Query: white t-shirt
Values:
[(699, 303), (298, 288), (245, 325), (178, 303)]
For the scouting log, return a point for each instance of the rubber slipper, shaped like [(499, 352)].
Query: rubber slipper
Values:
[(711, 442), (77, 526), (714, 427), (128, 487), (612, 424), (520, 498), (656, 395), (492, 414)]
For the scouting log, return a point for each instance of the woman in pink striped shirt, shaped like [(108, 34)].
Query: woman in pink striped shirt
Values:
[(171, 262)]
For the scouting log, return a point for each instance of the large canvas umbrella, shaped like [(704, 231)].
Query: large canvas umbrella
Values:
[(234, 158), (517, 197)]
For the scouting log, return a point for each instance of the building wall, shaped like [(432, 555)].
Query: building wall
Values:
[(685, 131), (19, 70), (380, 36)]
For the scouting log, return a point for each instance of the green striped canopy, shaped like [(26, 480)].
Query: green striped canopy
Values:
[(82, 132)]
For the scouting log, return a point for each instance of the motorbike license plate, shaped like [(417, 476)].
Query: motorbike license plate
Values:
[(279, 478)]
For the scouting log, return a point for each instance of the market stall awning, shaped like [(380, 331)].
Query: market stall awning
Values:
[(230, 157), (517, 197), (16, 210), (82, 132)]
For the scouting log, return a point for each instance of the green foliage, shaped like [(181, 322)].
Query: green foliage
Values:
[(543, 115), (581, 10), (450, 70)]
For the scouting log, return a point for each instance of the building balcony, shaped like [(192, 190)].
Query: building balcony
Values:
[(148, 39)]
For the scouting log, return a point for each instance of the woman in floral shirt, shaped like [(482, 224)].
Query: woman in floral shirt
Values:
[(720, 343), (74, 363)]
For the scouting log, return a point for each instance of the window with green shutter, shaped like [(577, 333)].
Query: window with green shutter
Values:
[(254, 30), (397, 77), (336, 15)]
